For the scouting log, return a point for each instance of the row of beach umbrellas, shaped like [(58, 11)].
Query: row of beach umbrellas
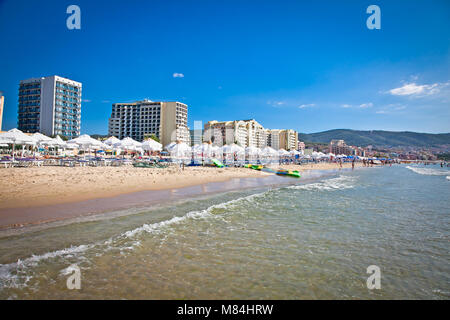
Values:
[(85, 142), (180, 149), (208, 150)]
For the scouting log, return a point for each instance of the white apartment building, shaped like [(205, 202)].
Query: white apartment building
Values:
[(289, 139), (141, 119), (249, 133), (50, 105), (243, 132)]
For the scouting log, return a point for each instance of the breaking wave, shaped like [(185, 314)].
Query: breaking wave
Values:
[(339, 183), (429, 171)]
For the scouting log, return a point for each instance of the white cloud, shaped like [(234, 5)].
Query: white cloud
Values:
[(178, 75), (310, 105), (363, 105), (366, 105), (276, 103), (413, 89)]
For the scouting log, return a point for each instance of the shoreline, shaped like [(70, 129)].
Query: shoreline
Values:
[(66, 197)]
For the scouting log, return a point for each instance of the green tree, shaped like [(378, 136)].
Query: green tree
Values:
[(152, 136)]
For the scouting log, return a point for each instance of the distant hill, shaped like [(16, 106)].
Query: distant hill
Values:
[(378, 138)]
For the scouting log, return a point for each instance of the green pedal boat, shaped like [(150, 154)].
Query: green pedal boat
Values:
[(280, 172)]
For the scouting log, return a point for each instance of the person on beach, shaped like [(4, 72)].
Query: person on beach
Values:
[(353, 164)]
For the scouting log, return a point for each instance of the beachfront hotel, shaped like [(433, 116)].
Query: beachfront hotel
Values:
[(51, 106), (282, 139), (2, 103), (246, 133), (141, 119), (249, 133), (289, 139)]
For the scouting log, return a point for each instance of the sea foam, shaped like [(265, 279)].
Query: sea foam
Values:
[(208, 212), (429, 171), (341, 182)]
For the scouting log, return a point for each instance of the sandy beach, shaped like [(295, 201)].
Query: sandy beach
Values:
[(37, 186), (44, 194)]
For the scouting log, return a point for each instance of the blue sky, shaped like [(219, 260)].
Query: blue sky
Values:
[(306, 65)]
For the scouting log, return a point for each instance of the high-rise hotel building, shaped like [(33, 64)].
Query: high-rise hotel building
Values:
[(141, 119), (50, 105)]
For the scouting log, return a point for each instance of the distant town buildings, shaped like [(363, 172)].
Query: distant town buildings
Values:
[(2, 103), (141, 119), (249, 133), (50, 105), (340, 147)]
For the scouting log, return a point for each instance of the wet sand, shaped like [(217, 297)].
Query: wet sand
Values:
[(32, 196)]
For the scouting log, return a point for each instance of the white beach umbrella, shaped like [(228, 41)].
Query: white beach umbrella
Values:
[(60, 142), (268, 151), (42, 139), (232, 148), (128, 144), (170, 146), (15, 136), (205, 149), (252, 151), (180, 150), (295, 152), (216, 151), (283, 152), (151, 145), (111, 141), (85, 142)]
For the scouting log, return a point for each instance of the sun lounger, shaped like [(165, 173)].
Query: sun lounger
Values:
[(6, 163)]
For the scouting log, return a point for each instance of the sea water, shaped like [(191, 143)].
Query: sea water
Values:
[(311, 240)]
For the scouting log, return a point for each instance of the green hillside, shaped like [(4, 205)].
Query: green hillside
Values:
[(378, 138)]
